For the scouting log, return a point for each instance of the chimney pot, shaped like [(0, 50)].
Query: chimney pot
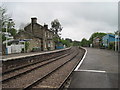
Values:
[(46, 26), (34, 20)]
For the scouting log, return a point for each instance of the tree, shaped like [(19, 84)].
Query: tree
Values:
[(6, 23), (11, 27), (12, 31), (56, 26), (3, 17), (65, 42), (117, 32), (26, 46), (3, 20), (76, 43), (10, 24), (84, 42), (96, 34), (68, 39), (3, 38)]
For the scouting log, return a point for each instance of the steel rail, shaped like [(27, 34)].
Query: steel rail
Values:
[(20, 74), (61, 87), (45, 76)]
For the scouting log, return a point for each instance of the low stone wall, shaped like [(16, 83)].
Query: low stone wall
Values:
[(18, 62)]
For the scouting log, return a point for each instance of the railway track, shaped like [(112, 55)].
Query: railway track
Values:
[(57, 77), (26, 69), (34, 84), (31, 76), (30, 60)]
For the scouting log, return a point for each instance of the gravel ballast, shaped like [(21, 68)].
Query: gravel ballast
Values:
[(54, 80), (22, 81)]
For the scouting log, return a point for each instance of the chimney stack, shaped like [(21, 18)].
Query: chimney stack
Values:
[(34, 20), (46, 26)]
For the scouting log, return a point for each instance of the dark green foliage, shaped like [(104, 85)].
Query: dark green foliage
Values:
[(26, 46), (3, 29), (56, 39), (68, 39), (7, 23), (56, 26), (36, 49), (22, 50), (84, 42), (76, 43), (4, 17), (111, 46), (12, 31), (3, 37), (96, 34), (117, 32), (65, 42)]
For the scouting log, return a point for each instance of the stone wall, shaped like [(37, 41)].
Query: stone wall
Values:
[(19, 62), (35, 42)]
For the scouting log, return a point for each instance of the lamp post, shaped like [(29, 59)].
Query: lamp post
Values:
[(118, 40), (6, 40), (115, 42), (9, 22)]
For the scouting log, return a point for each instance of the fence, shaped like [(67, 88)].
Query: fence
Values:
[(14, 49)]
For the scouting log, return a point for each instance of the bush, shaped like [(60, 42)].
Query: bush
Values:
[(26, 46), (111, 46), (36, 49), (22, 50)]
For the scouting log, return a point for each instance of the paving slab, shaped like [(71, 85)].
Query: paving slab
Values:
[(98, 70)]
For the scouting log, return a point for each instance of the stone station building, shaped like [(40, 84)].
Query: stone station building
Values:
[(41, 37)]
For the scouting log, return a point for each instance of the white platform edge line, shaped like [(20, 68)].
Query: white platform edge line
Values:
[(92, 71), (81, 60)]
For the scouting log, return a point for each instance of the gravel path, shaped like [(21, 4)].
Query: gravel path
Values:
[(22, 81)]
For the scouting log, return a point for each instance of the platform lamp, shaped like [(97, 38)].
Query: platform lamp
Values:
[(6, 38), (9, 21), (115, 42)]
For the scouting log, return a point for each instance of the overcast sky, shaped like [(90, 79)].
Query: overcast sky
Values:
[(78, 19)]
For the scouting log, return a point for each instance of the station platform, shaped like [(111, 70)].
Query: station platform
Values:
[(22, 55), (17, 55), (99, 69)]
